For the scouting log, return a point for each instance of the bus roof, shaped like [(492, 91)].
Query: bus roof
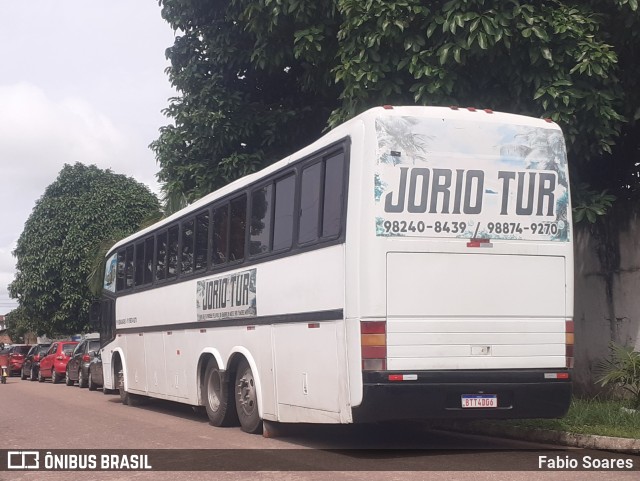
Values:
[(340, 132)]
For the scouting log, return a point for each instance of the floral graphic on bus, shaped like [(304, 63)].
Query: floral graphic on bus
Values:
[(461, 178)]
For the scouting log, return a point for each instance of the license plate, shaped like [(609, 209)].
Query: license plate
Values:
[(479, 401)]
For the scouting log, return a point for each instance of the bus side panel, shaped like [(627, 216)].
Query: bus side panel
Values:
[(176, 362), (136, 365), (307, 371), (155, 363)]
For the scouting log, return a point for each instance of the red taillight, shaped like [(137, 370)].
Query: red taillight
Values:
[(36, 357), (86, 358), (569, 342), (373, 339)]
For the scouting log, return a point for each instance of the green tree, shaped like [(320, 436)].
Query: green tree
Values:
[(81, 209), (248, 95), (260, 78), (17, 325)]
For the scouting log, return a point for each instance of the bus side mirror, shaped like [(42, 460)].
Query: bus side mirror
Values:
[(95, 314)]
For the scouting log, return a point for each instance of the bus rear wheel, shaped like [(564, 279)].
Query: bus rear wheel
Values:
[(247, 399), (127, 398), (218, 398)]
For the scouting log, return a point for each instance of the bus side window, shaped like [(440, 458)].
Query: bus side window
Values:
[(161, 256), (333, 195), (129, 267), (237, 228), (309, 203), (148, 260), (201, 241), (139, 267), (172, 254), (220, 234), (186, 257), (260, 230), (120, 271), (283, 215)]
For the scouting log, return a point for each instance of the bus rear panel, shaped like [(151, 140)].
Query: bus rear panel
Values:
[(470, 307)]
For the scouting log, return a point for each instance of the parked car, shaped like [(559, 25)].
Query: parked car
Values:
[(54, 364), (31, 363), (78, 365), (13, 357), (95, 373)]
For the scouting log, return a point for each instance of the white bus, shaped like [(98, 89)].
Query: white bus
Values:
[(413, 263)]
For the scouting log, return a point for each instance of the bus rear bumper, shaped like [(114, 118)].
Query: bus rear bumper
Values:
[(520, 394)]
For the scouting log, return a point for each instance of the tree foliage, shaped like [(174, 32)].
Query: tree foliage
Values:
[(82, 208), (260, 78)]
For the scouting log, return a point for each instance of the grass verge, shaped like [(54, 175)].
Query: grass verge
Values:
[(594, 416)]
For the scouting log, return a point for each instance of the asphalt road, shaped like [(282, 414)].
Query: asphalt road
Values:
[(35, 416)]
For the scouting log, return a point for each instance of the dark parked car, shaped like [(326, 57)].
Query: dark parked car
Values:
[(31, 363), (95, 373), (78, 365), (13, 357), (54, 364)]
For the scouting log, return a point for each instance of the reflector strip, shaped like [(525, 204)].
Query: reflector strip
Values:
[(313, 325), (479, 243), (556, 375), (403, 377)]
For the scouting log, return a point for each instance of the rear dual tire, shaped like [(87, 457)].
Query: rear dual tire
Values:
[(218, 398)]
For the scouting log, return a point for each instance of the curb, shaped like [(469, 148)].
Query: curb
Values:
[(586, 441)]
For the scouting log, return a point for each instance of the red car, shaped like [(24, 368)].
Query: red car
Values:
[(14, 357), (54, 364)]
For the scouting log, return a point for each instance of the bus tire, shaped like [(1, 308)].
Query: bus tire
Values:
[(125, 397), (218, 398), (247, 399)]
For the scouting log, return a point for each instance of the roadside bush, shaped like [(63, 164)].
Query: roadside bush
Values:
[(622, 370)]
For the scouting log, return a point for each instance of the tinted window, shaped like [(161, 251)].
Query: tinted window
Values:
[(93, 346), (202, 241), (333, 195), (68, 349), (172, 257), (129, 267), (148, 260), (139, 264), (309, 203), (220, 229), (283, 216), (187, 247), (161, 256), (120, 271), (260, 221), (237, 228)]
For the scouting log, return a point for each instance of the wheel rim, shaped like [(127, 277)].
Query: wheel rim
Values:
[(80, 377), (213, 391), (246, 391)]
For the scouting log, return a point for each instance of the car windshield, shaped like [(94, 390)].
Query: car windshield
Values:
[(43, 350), (94, 346), (21, 349), (68, 348)]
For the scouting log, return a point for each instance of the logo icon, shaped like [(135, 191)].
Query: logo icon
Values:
[(23, 460)]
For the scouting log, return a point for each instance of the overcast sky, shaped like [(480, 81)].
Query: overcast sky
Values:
[(80, 81)]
